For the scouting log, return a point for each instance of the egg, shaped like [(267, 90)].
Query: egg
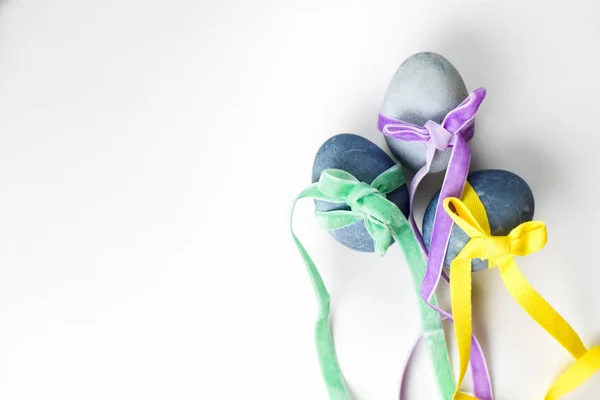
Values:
[(365, 161), (425, 87), (508, 201)]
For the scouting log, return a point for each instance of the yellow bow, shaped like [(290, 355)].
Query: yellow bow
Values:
[(470, 215)]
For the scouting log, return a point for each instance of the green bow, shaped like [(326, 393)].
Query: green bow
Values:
[(366, 202), (385, 223)]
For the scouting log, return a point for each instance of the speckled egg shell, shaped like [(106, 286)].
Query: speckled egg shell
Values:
[(365, 161), (507, 199), (425, 87)]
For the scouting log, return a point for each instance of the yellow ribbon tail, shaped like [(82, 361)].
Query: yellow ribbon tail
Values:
[(539, 309), (529, 237), (576, 375), (460, 297), (463, 396), (588, 362)]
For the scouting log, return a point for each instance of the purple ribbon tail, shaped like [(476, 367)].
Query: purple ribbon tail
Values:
[(454, 132), (453, 186), (482, 385), (414, 184)]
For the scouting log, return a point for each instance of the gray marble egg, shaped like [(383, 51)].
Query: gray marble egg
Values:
[(507, 199), (365, 161), (425, 87)]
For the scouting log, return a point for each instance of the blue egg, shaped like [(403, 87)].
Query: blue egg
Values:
[(425, 87), (365, 161), (507, 199)]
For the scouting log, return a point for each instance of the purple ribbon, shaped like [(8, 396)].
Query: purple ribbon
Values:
[(478, 367), (458, 123), (454, 132)]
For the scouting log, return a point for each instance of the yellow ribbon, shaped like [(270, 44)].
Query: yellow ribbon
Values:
[(470, 215)]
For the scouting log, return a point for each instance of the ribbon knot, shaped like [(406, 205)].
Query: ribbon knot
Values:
[(492, 247), (366, 202), (523, 240), (457, 120), (439, 137), (357, 195)]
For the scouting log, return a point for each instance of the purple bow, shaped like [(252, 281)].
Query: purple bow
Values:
[(458, 122), (454, 132)]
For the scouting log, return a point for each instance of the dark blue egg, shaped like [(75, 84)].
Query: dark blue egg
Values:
[(507, 199), (425, 87), (365, 161)]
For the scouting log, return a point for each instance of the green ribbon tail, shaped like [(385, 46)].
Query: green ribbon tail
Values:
[(433, 331), (330, 368), (383, 220)]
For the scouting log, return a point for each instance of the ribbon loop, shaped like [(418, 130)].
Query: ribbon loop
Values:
[(528, 238), (469, 221), (336, 184)]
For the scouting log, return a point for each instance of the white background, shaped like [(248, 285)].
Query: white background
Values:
[(150, 152)]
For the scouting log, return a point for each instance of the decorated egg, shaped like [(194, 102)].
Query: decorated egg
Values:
[(425, 87), (507, 199), (365, 161)]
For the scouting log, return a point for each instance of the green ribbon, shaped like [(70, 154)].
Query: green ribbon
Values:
[(385, 223)]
